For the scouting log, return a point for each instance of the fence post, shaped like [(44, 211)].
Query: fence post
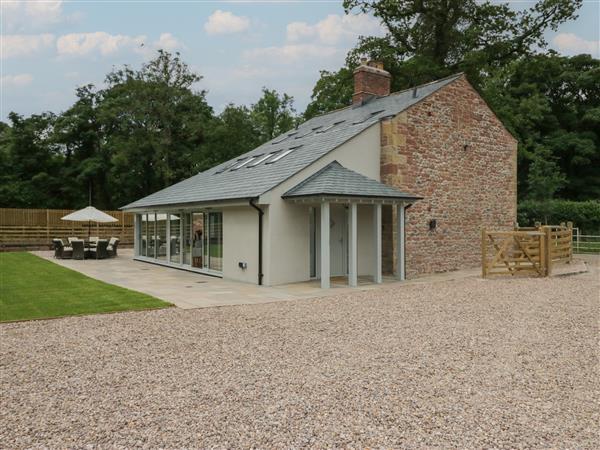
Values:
[(483, 253), (122, 226), (570, 228), (48, 224), (542, 255), (548, 248)]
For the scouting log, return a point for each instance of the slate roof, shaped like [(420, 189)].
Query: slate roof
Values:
[(309, 142), (336, 180)]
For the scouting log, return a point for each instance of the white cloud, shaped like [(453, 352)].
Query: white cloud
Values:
[(28, 14), (168, 42), (225, 22), (290, 53), (572, 44), (81, 44), (13, 45), (20, 80), (335, 29)]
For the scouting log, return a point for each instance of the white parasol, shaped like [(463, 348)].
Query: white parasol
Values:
[(89, 214)]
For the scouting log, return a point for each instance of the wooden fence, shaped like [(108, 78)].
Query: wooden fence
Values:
[(528, 251), (28, 229)]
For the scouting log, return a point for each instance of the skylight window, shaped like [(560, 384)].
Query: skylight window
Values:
[(260, 160), (243, 163), (227, 167), (329, 127), (280, 155)]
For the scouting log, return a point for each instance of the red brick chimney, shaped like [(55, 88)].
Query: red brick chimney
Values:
[(370, 80)]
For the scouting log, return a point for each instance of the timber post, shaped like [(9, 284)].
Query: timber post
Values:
[(548, 250)]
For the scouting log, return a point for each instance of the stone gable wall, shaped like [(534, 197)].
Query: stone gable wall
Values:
[(453, 151)]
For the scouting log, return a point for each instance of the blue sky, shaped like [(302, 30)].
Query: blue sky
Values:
[(50, 47)]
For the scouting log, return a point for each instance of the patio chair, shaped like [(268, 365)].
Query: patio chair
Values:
[(93, 240), (71, 239), (60, 251), (112, 247), (100, 250), (78, 249)]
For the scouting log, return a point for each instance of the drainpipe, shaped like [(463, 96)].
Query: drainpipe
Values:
[(261, 213)]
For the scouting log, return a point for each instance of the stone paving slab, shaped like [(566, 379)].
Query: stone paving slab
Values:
[(190, 290)]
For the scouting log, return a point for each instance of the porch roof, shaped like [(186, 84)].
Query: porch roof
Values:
[(335, 180)]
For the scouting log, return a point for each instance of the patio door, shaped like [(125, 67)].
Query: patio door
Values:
[(214, 241), (338, 241)]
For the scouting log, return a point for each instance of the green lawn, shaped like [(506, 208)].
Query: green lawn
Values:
[(33, 288)]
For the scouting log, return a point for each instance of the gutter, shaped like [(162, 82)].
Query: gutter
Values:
[(261, 213)]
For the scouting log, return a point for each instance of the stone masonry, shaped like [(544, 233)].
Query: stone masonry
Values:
[(453, 151)]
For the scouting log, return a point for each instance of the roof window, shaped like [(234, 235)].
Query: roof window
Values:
[(280, 155), (243, 163), (260, 160)]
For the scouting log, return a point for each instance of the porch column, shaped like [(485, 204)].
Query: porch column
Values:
[(400, 239), (377, 242), (352, 246), (325, 264)]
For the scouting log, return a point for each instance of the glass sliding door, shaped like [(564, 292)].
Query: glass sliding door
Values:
[(187, 238), (161, 237), (175, 237), (197, 240), (215, 241), (143, 235)]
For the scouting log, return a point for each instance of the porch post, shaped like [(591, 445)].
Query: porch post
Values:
[(352, 246), (377, 278), (400, 239), (325, 267)]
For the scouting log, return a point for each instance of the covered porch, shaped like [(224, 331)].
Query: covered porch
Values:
[(339, 201)]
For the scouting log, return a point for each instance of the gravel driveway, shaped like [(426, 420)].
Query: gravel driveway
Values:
[(470, 363)]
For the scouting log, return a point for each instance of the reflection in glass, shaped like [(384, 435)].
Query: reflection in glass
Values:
[(187, 238), (160, 242), (175, 241)]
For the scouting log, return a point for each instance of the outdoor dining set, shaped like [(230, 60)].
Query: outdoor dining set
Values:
[(93, 248)]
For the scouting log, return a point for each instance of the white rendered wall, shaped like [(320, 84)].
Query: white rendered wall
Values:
[(287, 242)]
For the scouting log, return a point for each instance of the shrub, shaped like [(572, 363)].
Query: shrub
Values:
[(584, 215)]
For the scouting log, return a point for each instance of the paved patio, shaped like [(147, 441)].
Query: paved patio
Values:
[(190, 290)]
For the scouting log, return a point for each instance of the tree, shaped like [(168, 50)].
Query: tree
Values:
[(430, 39), (31, 178), (155, 126), (232, 133), (273, 114), (551, 103), (80, 135)]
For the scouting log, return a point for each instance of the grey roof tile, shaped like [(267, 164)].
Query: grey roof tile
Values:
[(336, 180), (316, 137)]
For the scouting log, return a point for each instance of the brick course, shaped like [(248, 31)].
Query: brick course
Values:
[(452, 150)]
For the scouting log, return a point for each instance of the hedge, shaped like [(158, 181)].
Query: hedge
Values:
[(584, 215)]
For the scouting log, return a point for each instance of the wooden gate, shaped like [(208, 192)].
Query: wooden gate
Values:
[(528, 251)]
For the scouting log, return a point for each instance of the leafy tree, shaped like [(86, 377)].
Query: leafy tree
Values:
[(551, 103), (155, 125), (232, 133), (273, 114), (79, 133), (30, 162), (431, 39), (332, 91)]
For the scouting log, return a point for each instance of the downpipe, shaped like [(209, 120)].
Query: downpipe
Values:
[(261, 213)]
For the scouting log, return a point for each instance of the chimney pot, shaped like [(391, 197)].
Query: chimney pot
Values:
[(370, 80)]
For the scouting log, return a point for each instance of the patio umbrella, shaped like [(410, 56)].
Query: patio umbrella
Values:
[(89, 214)]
